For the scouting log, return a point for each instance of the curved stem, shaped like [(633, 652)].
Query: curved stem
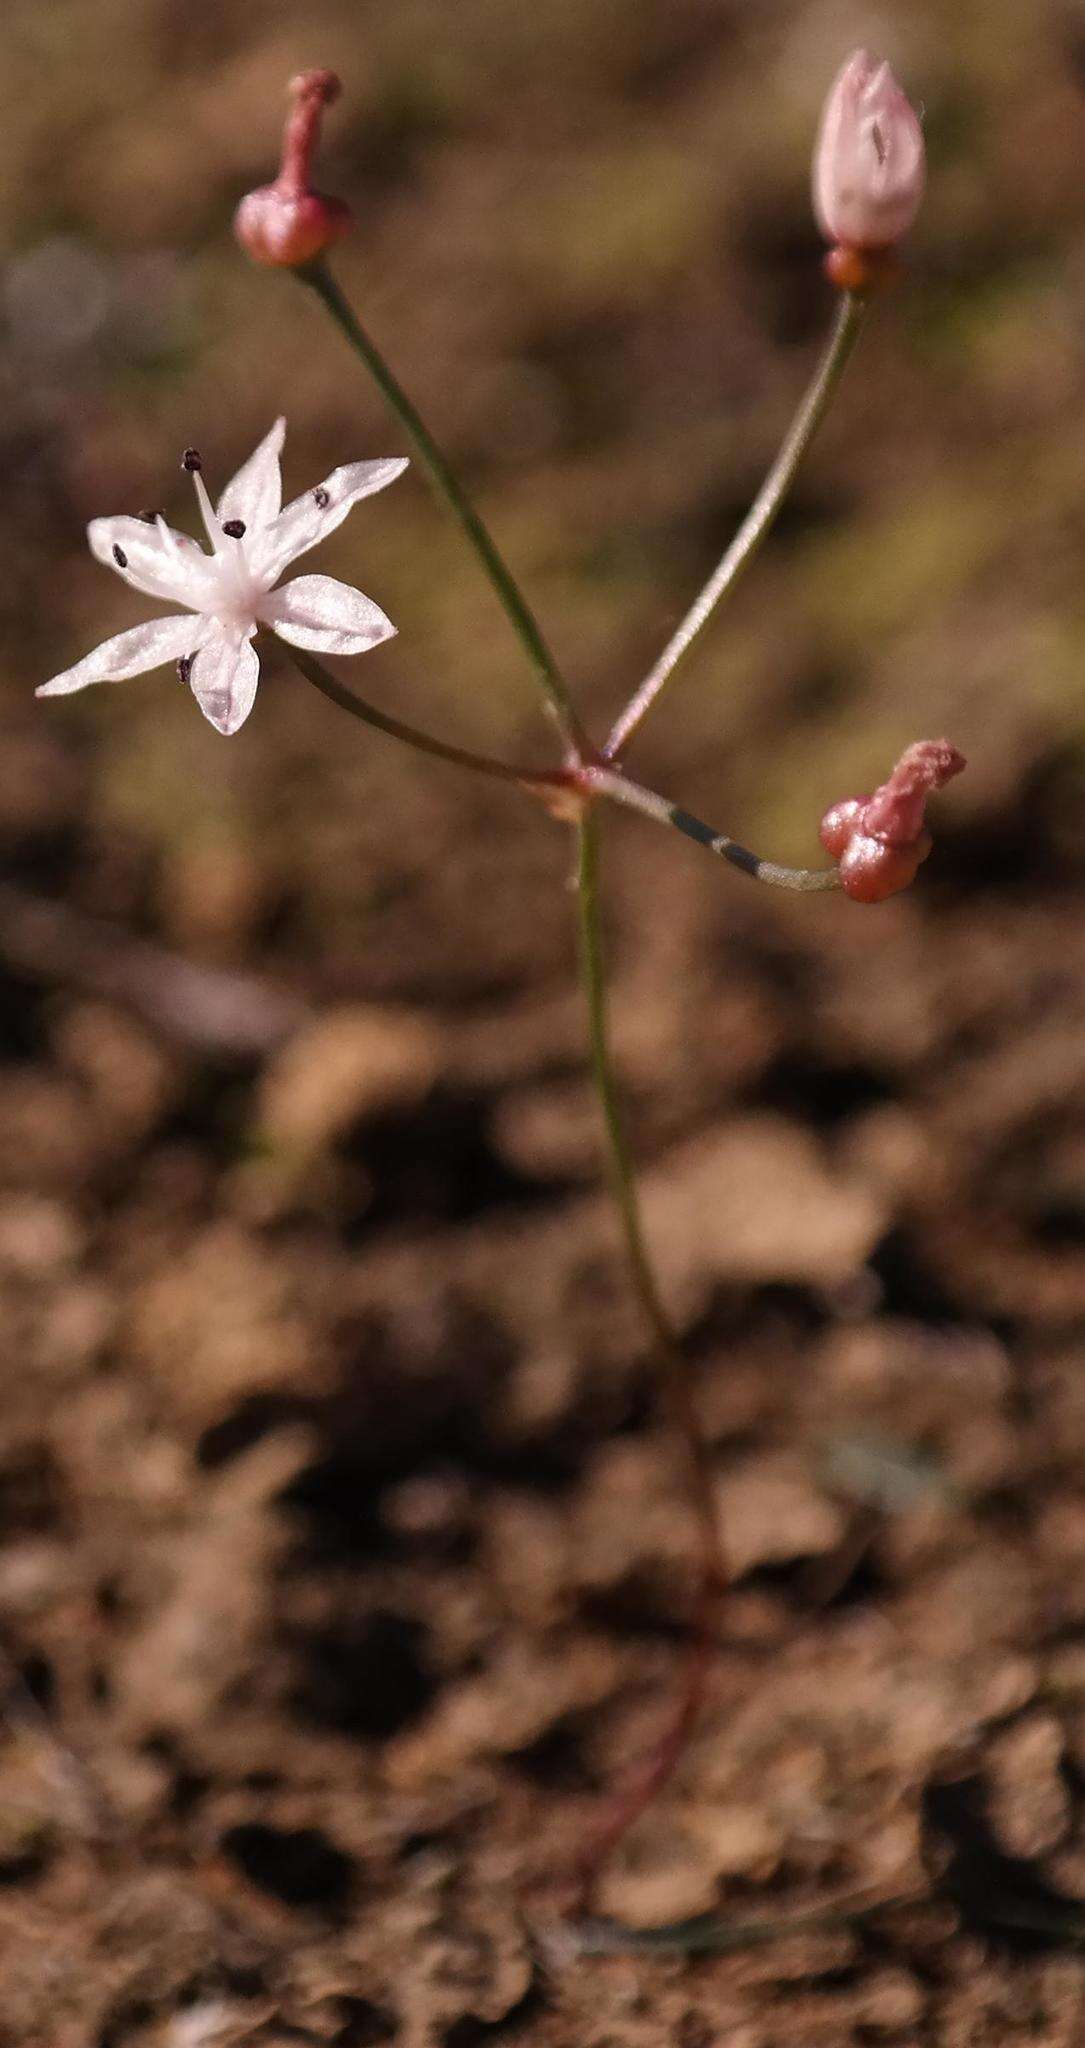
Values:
[(568, 783), (423, 742), (452, 494), (758, 520), (616, 785), (631, 1798), (716, 1934)]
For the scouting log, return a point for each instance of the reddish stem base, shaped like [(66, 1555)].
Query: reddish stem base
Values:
[(633, 1797)]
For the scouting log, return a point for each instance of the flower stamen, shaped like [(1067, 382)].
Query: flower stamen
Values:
[(207, 510)]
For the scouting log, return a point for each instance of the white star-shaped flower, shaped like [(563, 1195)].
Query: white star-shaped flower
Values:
[(228, 593)]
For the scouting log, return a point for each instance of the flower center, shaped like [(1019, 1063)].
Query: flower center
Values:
[(234, 589)]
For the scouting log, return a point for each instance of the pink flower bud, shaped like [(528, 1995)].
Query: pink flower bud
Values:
[(870, 871), (880, 840), (869, 159), (288, 223), (839, 825), (895, 811)]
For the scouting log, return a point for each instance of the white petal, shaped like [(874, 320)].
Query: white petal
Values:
[(130, 654), (224, 678), (256, 492), (329, 617), (152, 558), (310, 518)]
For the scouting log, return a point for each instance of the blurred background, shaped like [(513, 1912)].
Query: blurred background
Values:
[(343, 1555)]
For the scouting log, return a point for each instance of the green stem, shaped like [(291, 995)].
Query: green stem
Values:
[(452, 494), (619, 787), (712, 1934), (758, 520), (606, 782), (620, 1171), (676, 1385), (423, 742)]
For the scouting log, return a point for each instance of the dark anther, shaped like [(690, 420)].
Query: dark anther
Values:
[(120, 557), (321, 497), (184, 666), (149, 517), (191, 460), (234, 527)]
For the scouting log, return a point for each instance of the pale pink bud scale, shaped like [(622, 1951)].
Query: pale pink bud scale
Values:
[(869, 160)]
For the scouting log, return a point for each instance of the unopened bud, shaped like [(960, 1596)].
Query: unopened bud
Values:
[(880, 840), (869, 171), (840, 824), (289, 223), (870, 870), (895, 811)]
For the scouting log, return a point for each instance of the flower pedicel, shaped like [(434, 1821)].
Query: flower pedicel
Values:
[(228, 593)]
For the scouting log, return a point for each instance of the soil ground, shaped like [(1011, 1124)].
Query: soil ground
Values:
[(344, 1558)]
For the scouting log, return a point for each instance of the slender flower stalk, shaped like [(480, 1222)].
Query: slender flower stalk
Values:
[(619, 787), (758, 520), (453, 496), (569, 791), (544, 781), (631, 1799)]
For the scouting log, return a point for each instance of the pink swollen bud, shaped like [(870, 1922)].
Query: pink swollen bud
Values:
[(880, 840), (840, 824), (288, 223), (869, 163), (895, 811)]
